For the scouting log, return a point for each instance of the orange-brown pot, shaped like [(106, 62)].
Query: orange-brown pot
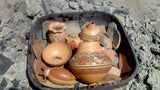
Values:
[(56, 32), (89, 64), (59, 76), (73, 40), (91, 32)]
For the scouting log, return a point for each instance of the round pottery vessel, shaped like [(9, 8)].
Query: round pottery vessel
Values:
[(91, 32), (89, 64), (57, 32), (73, 41), (59, 76), (56, 54)]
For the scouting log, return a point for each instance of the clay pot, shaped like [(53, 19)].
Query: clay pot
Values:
[(73, 40), (91, 32), (56, 32), (112, 54), (123, 64), (89, 64), (59, 76), (57, 54)]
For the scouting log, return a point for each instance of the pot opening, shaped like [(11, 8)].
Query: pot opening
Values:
[(92, 22), (57, 28)]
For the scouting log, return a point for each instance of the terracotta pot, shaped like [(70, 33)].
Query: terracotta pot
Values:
[(56, 54), (73, 40), (59, 76), (89, 64), (56, 32), (91, 32)]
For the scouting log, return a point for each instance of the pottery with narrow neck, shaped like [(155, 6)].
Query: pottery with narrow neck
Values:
[(91, 32), (57, 32), (89, 63)]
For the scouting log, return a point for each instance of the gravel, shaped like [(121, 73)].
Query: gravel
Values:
[(141, 24)]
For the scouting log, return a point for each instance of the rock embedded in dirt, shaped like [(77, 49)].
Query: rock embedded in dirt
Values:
[(120, 18), (74, 5), (3, 84), (154, 79), (20, 6), (86, 6), (5, 63), (155, 48), (33, 8)]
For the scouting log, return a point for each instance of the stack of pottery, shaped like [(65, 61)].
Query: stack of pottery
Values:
[(81, 52), (89, 63), (56, 54)]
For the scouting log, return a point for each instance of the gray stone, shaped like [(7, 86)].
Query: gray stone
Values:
[(132, 85), (6, 11), (121, 18), (141, 74), (158, 32), (22, 29), (128, 21), (98, 5), (33, 8), (74, 5), (3, 84), (145, 56), (152, 22), (71, 25), (156, 39), (156, 63), (86, 7), (154, 79), (5, 31), (18, 17), (95, 2), (61, 4), (155, 48), (55, 9), (5, 63), (142, 39), (109, 9), (132, 34), (11, 73), (20, 6)]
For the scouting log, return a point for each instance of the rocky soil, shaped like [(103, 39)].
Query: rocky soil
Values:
[(141, 19)]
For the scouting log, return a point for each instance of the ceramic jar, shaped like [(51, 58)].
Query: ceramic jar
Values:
[(89, 64), (56, 32), (73, 41), (91, 32)]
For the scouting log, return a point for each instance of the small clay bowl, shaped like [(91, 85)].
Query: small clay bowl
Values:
[(57, 54)]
